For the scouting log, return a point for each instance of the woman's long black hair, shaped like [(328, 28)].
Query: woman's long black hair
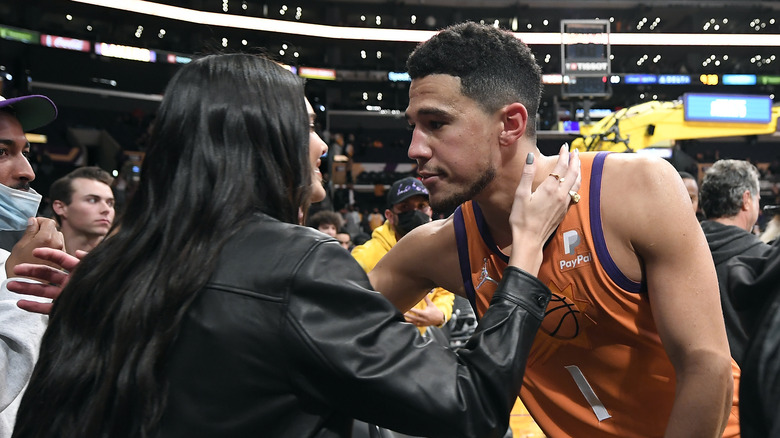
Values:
[(230, 140)]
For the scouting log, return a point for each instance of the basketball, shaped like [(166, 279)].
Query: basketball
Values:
[(561, 318)]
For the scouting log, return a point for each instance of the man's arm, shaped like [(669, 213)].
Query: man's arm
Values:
[(418, 263), (652, 210)]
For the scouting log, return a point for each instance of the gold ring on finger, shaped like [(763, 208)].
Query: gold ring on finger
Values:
[(559, 178), (575, 197)]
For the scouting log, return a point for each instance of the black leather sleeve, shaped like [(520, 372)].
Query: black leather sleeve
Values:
[(348, 347)]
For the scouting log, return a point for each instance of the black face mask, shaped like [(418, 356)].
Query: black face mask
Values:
[(409, 220)]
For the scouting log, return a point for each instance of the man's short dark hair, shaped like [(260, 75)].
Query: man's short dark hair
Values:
[(62, 189), (495, 68), (686, 175)]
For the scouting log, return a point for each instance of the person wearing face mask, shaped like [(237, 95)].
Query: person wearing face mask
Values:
[(408, 208), (20, 232)]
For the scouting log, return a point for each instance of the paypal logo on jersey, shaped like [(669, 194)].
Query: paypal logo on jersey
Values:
[(570, 241)]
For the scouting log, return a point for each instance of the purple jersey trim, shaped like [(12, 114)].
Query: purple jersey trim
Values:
[(485, 233), (463, 256), (597, 231)]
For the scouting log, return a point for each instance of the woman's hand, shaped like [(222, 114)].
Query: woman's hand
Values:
[(535, 215), (52, 280)]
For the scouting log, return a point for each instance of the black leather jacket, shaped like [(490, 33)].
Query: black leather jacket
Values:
[(288, 340), (754, 287)]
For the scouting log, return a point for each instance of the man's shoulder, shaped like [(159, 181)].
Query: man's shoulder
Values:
[(636, 165), (639, 182), (429, 238)]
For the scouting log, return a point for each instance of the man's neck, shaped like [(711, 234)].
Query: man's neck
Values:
[(80, 242), (496, 201), (736, 221)]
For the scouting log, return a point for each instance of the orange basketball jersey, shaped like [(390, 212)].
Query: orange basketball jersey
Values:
[(597, 366)]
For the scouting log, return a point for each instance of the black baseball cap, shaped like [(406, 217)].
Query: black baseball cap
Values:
[(32, 111), (404, 189)]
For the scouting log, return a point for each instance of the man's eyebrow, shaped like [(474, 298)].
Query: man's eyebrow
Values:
[(95, 195), (10, 143), (429, 112)]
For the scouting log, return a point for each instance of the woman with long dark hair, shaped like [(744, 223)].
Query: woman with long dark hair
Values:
[(211, 312)]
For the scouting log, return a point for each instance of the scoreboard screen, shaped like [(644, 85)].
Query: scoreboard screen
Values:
[(731, 108), (585, 58)]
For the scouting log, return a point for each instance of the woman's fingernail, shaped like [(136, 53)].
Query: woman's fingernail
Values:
[(529, 159)]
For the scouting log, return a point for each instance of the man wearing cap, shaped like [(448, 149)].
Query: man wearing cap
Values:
[(20, 232), (407, 208)]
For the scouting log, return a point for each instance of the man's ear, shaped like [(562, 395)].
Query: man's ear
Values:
[(58, 207), (746, 200), (388, 214), (515, 120)]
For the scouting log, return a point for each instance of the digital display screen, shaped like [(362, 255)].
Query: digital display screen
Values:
[(674, 79), (731, 108), (640, 79), (739, 79), (570, 126)]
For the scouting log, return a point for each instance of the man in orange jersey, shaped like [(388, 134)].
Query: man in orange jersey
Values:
[(634, 343)]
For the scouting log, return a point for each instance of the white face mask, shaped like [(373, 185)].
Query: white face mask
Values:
[(17, 207)]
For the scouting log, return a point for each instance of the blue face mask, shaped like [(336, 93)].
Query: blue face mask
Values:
[(17, 207)]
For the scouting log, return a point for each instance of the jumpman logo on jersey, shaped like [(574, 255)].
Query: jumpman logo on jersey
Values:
[(484, 276)]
